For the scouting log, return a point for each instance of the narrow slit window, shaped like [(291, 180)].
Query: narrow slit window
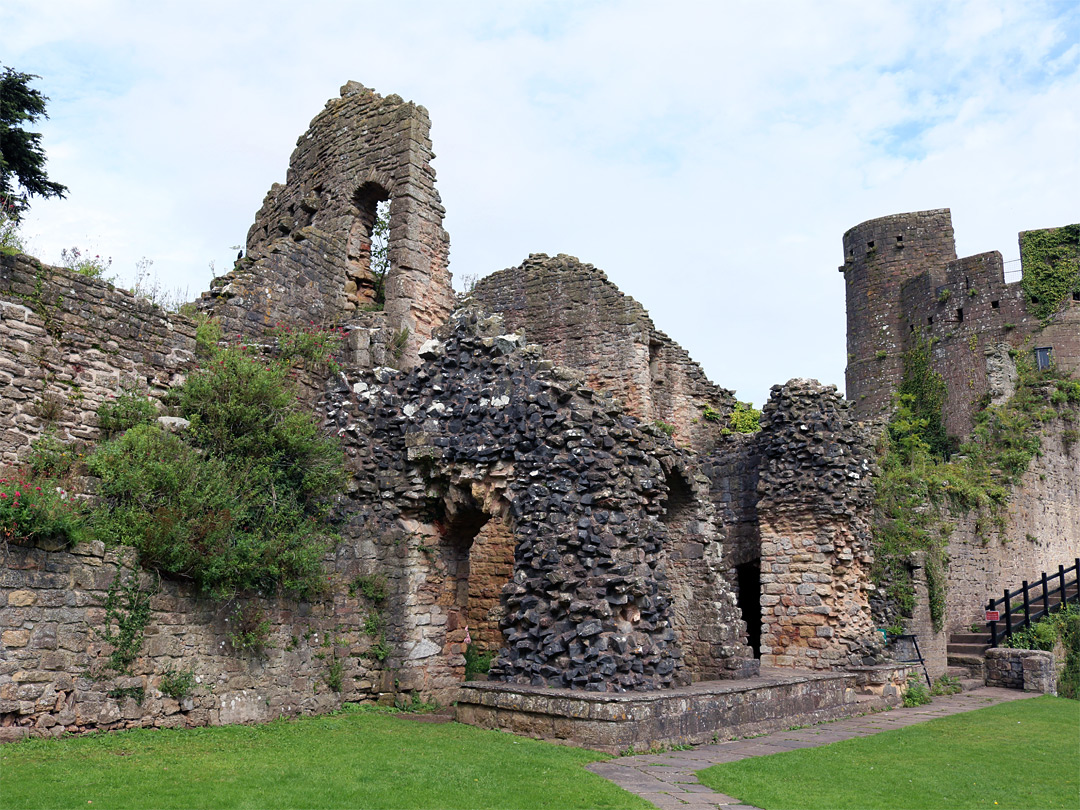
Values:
[(960, 315), (869, 245), (930, 321), (995, 304)]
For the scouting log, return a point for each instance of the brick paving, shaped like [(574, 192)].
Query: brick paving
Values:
[(669, 780)]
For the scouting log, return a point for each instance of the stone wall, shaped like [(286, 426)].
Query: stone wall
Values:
[(732, 469), (585, 323), (976, 321), (1042, 531), (54, 673), (814, 514), (308, 256), (1030, 670), (68, 343)]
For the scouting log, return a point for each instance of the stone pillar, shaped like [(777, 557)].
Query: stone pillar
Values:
[(815, 531)]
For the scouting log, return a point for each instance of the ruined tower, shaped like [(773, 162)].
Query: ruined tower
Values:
[(880, 255)]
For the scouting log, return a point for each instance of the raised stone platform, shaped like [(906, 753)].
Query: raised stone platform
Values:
[(703, 712)]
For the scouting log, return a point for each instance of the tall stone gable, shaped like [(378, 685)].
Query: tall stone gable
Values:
[(308, 255)]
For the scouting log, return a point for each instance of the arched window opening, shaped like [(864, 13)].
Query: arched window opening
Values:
[(479, 557), (367, 249)]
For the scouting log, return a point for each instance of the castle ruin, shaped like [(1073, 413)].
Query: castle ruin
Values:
[(537, 470)]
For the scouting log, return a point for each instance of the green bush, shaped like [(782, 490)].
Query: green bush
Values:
[(241, 500), (476, 662), (314, 345), (917, 693), (52, 458)]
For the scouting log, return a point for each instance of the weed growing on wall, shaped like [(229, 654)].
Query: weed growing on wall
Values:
[(86, 265), (177, 683), (745, 418), (249, 629), (241, 500), (127, 612), (1051, 268), (476, 662), (921, 485), (370, 586), (315, 346)]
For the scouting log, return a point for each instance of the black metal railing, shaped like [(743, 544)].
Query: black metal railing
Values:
[(1030, 602)]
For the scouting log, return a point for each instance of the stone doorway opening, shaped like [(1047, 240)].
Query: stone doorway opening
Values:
[(367, 248), (478, 553), (748, 598)]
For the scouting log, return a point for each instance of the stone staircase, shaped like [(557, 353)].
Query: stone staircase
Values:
[(967, 657), (967, 650)]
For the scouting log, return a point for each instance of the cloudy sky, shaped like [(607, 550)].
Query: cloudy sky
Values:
[(707, 155)]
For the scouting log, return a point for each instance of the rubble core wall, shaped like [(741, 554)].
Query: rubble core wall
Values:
[(585, 323), (814, 513), (68, 343), (308, 254), (615, 580)]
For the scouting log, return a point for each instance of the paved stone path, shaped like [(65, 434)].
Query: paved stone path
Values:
[(668, 780)]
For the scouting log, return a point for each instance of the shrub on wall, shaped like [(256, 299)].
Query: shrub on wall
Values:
[(920, 483), (1051, 268), (241, 499)]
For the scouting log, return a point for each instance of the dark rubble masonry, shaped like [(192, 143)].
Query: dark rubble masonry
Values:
[(486, 431), (585, 322), (308, 254), (816, 501)]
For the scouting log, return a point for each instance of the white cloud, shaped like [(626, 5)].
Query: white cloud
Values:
[(708, 156)]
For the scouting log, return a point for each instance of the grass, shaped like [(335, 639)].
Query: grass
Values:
[(358, 758), (1023, 754)]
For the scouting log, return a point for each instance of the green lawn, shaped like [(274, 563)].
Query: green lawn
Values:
[(358, 759), (1024, 754)]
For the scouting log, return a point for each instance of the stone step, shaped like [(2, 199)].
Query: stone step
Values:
[(965, 661), (967, 684), (970, 638), (967, 649)]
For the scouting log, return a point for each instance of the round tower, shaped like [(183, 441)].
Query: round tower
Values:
[(880, 255)]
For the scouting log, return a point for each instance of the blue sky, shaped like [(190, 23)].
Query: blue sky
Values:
[(707, 155)]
